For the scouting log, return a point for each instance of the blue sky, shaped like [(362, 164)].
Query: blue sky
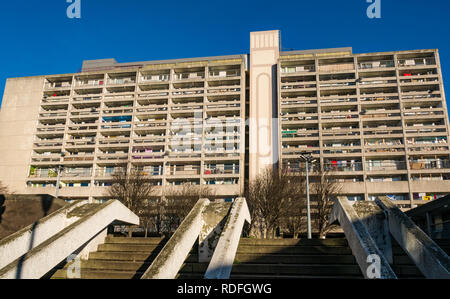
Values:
[(38, 38)]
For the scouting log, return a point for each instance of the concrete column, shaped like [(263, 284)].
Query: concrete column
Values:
[(263, 145)]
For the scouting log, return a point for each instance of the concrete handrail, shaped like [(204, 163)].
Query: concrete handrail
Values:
[(90, 220), (169, 261), (22, 241), (359, 239), (225, 252), (431, 260)]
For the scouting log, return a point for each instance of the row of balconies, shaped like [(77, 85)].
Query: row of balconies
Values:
[(347, 64), (373, 166), (130, 78)]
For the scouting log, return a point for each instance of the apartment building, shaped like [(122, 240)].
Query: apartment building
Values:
[(178, 121), (377, 122)]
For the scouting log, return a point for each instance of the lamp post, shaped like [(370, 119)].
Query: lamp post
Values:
[(308, 158), (58, 181)]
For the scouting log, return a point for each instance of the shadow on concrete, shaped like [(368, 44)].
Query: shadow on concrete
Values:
[(46, 204)]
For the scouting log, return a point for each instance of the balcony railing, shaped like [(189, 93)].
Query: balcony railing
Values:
[(416, 62), (343, 166), (385, 166), (186, 76), (90, 83), (224, 74), (427, 164), (51, 85), (194, 170), (376, 64), (121, 81), (155, 78), (298, 69)]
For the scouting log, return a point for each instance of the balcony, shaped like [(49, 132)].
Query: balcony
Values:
[(376, 165), (122, 80), (189, 76), (376, 64), (83, 128), (184, 170), (342, 166), (53, 114), (76, 172), (55, 100), (58, 83), (298, 69), (336, 67), (416, 62), (378, 99), (429, 164), (215, 74), (48, 143), (87, 98), (298, 85), (154, 78), (79, 158), (109, 171), (224, 90)]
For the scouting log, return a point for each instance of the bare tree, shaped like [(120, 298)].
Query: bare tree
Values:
[(151, 215), (180, 200), (135, 190), (295, 220), (273, 197), (324, 190)]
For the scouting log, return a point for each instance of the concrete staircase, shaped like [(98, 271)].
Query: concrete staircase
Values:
[(301, 258), (286, 258), (118, 258), (128, 258)]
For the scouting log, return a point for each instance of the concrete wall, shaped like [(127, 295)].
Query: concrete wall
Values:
[(18, 120)]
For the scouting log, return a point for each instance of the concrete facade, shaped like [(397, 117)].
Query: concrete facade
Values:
[(377, 121), (179, 121)]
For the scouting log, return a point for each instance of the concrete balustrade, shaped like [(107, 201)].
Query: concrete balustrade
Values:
[(86, 223), (169, 261), (431, 260), (22, 241), (222, 260), (359, 239)]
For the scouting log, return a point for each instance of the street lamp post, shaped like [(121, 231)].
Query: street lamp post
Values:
[(308, 159)]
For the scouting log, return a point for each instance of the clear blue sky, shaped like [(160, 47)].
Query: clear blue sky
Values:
[(37, 38)]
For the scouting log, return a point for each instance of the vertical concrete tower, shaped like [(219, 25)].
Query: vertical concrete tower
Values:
[(263, 146)]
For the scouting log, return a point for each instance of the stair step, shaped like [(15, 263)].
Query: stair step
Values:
[(129, 247), (194, 268), (99, 274), (290, 250), (143, 248), (253, 258), (127, 240), (273, 276), (296, 269), (281, 269), (93, 264), (129, 256), (294, 242)]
